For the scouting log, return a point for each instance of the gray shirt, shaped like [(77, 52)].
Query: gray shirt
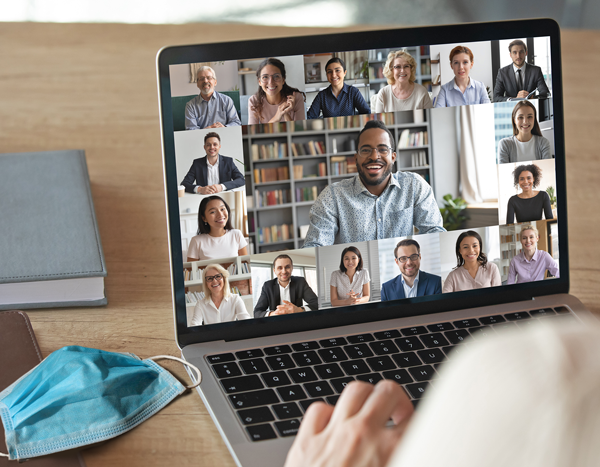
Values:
[(219, 108), (508, 152)]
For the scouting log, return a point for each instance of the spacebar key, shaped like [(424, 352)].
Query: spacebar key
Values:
[(246, 400)]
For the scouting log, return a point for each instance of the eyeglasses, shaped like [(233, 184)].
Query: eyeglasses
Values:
[(276, 77), (413, 258), (400, 67), (382, 150), (210, 78), (216, 277)]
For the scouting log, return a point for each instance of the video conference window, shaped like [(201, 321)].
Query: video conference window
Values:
[(353, 177)]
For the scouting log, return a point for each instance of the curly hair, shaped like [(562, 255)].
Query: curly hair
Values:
[(535, 171), (536, 126), (286, 90), (388, 69), (482, 258)]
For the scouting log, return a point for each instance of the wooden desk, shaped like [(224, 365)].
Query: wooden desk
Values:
[(94, 87)]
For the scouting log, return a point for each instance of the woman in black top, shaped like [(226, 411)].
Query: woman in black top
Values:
[(528, 205)]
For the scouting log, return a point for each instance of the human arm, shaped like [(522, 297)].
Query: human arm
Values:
[(449, 284), (510, 212), (425, 102), (324, 220), (499, 89), (253, 117), (315, 108), (540, 83), (495, 280), (191, 119), (437, 289), (379, 101), (483, 95), (551, 265), (243, 251), (548, 214), (235, 177), (197, 318), (298, 109), (505, 148), (189, 179), (384, 297), (359, 102), (232, 117), (262, 305), (441, 97), (426, 214), (239, 309), (512, 272), (355, 433), (543, 149)]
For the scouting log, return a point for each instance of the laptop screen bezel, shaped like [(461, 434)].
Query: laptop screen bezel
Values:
[(301, 45)]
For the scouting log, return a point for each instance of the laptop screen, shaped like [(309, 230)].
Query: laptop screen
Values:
[(381, 180)]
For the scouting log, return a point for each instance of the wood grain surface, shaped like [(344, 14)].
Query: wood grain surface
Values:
[(93, 86)]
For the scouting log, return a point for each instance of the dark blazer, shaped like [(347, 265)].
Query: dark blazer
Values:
[(270, 297), (506, 82), (429, 284), (229, 175)]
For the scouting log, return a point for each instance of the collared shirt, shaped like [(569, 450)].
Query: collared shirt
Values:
[(284, 292), (341, 282), (410, 292), (450, 94), (515, 68), (231, 308), (346, 212), (521, 270), (460, 279), (212, 177), (344, 104), (219, 108)]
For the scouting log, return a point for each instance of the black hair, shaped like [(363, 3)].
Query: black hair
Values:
[(203, 227), (283, 257), (335, 60), (354, 250), (379, 125), (407, 242), (212, 134), (535, 171), (482, 258)]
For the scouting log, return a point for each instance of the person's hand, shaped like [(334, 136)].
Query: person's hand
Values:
[(522, 94), (353, 298), (206, 190), (355, 433), (216, 125), (216, 188), (286, 309)]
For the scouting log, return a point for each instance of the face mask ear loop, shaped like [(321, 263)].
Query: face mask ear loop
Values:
[(3, 455), (196, 370)]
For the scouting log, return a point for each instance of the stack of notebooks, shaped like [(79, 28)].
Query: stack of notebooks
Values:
[(50, 250)]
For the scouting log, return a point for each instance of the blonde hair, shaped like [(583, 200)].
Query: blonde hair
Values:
[(388, 69), (530, 227), (224, 273)]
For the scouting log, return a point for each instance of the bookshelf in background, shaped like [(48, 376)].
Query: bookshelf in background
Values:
[(510, 246), (319, 152)]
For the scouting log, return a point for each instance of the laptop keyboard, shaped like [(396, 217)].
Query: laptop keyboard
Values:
[(270, 388)]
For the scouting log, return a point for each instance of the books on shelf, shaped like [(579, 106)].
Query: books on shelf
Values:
[(192, 297), (418, 159), (275, 150), (356, 121), (510, 238), (272, 174), (343, 165), (310, 148), (299, 171), (412, 139), (424, 49), (308, 193), (266, 128), (272, 197), (275, 233), (426, 67), (509, 254)]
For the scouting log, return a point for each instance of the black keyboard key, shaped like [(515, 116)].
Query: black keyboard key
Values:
[(407, 359), (541, 313), (335, 354), (289, 410), (308, 402), (432, 356), (261, 432), (408, 344), (487, 320), (414, 331), (302, 375), (519, 315), (291, 393), (434, 340), (483, 331), (288, 427), (221, 358), (422, 373), (332, 400), (417, 390), (384, 347), (318, 389), (306, 358), (561, 310), (242, 383), (382, 363), (328, 371), (372, 378), (358, 338), (246, 354), (340, 383), (280, 362), (226, 370), (392, 334), (276, 378), (278, 349), (333, 342), (458, 336), (256, 365), (358, 351), (504, 326), (440, 327), (246, 400), (257, 415), (466, 323), (302, 346), (355, 367), (400, 376)]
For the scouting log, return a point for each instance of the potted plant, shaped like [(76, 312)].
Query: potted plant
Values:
[(453, 212)]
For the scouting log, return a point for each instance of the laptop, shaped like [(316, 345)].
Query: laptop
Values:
[(358, 206)]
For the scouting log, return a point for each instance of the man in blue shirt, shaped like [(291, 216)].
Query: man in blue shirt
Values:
[(412, 282), (210, 109), (375, 204)]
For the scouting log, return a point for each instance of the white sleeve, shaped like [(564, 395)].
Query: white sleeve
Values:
[(239, 308)]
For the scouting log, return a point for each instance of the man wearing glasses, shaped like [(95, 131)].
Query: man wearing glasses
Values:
[(378, 203), (412, 282), (210, 109)]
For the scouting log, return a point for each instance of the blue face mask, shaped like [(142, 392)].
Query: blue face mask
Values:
[(79, 396)]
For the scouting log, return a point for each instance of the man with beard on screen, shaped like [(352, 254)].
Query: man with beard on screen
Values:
[(376, 204)]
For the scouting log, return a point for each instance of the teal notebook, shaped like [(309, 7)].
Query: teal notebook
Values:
[(50, 250)]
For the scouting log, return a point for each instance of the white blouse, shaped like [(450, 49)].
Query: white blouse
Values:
[(342, 282), (204, 246), (232, 309)]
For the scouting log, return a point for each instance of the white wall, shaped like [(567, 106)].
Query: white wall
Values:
[(227, 78), (445, 160), (482, 63), (506, 187)]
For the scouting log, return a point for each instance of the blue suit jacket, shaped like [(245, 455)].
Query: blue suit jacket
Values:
[(429, 284), (229, 175)]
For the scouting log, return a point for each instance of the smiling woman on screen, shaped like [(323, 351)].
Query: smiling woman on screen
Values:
[(530, 204), (349, 285)]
